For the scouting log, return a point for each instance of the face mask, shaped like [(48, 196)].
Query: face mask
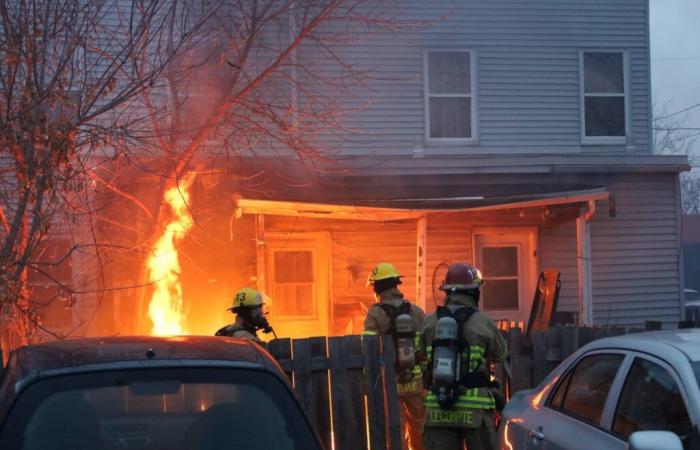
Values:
[(259, 321)]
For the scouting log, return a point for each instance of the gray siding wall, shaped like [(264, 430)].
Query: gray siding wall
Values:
[(636, 255), (558, 251), (527, 62)]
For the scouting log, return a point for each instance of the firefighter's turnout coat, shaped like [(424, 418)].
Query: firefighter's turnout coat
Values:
[(486, 343), (377, 322), (239, 330)]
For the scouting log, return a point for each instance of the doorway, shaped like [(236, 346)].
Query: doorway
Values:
[(297, 280), (507, 259)]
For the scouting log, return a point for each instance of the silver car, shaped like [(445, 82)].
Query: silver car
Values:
[(637, 391)]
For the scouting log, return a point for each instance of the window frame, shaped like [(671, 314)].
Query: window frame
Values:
[(605, 140), (275, 283), (613, 394), (474, 139)]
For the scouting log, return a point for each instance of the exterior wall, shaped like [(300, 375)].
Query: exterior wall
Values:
[(527, 63), (558, 251), (636, 254)]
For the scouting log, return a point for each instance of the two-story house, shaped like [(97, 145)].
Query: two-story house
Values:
[(512, 134)]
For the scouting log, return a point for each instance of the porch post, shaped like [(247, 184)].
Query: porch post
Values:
[(421, 230), (260, 251), (583, 252)]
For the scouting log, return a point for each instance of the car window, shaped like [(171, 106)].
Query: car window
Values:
[(651, 400), (583, 391), (158, 409)]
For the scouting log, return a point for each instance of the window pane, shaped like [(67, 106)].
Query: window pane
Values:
[(450, 118), (500, 261), (500, 295), (294, 267), (603, 73), (590, 383), (650, 400), (449, 73), (605, 116), (293, 300), (558, 399), (145, 410)]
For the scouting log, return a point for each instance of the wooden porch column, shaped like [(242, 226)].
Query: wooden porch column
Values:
[(421, 230), (583, 252), (260, 251)]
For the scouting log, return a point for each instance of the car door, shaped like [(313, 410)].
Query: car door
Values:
[(652, 398), (571, 418)]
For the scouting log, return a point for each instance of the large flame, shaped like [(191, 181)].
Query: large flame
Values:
[(165, 309)]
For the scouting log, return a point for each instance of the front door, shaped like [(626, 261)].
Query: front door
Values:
[(297, 279), (508, 264)]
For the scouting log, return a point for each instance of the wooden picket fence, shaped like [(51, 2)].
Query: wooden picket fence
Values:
[(532, 358), (346, 385)]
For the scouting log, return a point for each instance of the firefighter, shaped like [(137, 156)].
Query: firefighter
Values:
[(393, 315), (459, 342), (247, 305)]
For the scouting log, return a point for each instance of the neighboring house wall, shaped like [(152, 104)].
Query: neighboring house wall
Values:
[(527, 68), (691, 251)]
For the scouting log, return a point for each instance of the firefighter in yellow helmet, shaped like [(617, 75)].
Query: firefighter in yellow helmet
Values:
[(247, 305), (393, 315), (459, 342)]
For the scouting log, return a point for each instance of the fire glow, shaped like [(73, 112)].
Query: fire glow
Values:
[(166, 307)]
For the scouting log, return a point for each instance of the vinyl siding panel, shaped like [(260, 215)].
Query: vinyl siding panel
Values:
[(527, 71), (558, 251), (635, 255)]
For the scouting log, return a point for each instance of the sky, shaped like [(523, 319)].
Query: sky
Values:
[(675, 58)]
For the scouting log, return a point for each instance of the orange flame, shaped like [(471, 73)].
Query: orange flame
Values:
[(165, 309)]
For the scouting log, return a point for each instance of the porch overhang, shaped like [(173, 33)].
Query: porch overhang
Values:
[(415, 208)]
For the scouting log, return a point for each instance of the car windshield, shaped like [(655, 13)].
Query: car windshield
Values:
[(158, 409)]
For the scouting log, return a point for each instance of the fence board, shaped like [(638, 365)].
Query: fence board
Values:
[(357, 426), (340, 395), (539, 357), (519, 360), (281, 349), (391, 394), (375, 398), (320, 407), (301, 369)]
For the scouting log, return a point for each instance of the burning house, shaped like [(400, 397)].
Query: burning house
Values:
[(516, 136)]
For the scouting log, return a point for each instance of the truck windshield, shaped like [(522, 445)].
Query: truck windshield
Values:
[(158, 409)]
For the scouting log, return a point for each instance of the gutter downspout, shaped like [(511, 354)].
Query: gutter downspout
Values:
[(583, 253)]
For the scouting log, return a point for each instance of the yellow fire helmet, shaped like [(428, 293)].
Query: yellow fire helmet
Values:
[(247, 298), (383, 271)]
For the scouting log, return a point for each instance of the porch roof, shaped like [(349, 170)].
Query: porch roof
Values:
[(400, 208)]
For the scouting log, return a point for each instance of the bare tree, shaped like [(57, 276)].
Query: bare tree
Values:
[(71, 73), (673, 137), (263, 84)]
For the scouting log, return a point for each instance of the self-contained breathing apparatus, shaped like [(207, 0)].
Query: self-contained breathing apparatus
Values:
[(403, 332), (448, 379)]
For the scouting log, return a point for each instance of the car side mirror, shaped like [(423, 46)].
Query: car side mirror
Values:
[(654, 440)]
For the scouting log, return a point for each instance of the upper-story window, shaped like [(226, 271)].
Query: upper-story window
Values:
[(604, 110), (449, 96)]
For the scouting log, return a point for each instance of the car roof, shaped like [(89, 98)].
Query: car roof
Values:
[(69, 353), (686, 341)]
